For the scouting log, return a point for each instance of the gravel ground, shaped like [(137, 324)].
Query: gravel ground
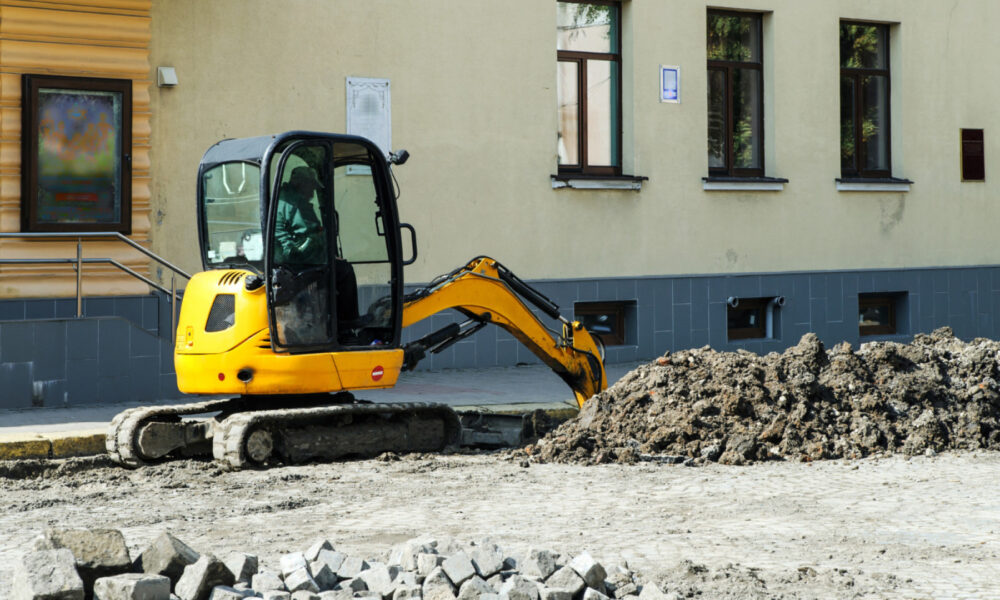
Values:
[(895, 527)]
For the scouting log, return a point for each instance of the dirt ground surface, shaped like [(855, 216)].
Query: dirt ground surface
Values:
[(897, 527)]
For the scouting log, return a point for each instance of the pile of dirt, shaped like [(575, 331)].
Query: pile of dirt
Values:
[(936, 393)]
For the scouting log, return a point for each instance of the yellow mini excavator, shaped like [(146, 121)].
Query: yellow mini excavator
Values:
[(302, 302)]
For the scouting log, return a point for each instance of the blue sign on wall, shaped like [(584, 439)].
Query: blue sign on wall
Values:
[(670, 84)]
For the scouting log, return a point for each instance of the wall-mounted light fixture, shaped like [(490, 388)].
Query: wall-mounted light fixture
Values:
[(166, 77)]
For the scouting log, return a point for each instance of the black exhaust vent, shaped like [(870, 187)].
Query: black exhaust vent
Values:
[(231, 277), (223, 313)]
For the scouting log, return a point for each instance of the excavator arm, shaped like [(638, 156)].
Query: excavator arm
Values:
[(487, 292)]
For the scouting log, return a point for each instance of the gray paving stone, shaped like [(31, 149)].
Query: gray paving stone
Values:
[(225, 592), (330, 558), (592, 594), (98, 552), (324, 576), (47, 575), (590, 570), (243, 566), (519, 588), (652, 592), (305, 595), (200, 577), (458, 567), (474, 587), (167, 556), (437, 586), (566, 579), (407, 553), (266, 581), (407, 592), (378, 579), (538, 565), (487, 560), (301, 579), (292, 562), (132, 586), (350, 567), (313, 552), (547, 593), (353, 585), (275, 595), (428, 562)]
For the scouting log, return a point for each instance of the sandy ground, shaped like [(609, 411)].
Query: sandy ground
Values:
[(926, 527)]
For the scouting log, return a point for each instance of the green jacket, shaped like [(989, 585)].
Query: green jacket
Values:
[(299, 235)]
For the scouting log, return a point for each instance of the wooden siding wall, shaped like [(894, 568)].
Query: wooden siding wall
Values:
[(84, 38)]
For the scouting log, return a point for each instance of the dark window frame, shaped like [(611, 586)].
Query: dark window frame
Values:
[(580, 59), (856, 75), (727, 67), (31, 85), (878, 300), (617, 308), (747, 333), (973, 155)]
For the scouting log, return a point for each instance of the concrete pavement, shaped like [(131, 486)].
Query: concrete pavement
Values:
[(79, 430)]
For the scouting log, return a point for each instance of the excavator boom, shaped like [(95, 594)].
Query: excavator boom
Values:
[(487, 292)]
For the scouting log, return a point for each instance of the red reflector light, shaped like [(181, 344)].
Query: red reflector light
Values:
[(222, 376)]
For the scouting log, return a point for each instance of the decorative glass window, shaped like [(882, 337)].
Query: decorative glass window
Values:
[(735, 94), (864, 100), (76, 153), (588, 45)]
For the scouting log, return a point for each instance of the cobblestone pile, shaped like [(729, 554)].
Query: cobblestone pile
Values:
[(79, 563), (808, 403)]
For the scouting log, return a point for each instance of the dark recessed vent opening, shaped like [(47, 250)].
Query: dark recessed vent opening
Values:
[(223, 313)]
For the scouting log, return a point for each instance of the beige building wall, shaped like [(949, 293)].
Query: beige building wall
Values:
[(474, 101), (82, 38)]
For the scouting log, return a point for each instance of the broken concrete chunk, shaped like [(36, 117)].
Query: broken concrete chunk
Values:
[(242, 566), (168, 556), (293, 561), (267, 581), (313, 552), (519, 588), (458, 567), (473, 588), (199, 578), (47, 575), (350, 567), (300, 579), (132, 586), (590, 570), (538, 565)]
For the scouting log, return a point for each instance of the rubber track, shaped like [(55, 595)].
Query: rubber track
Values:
[(229, 442), (123, 429)]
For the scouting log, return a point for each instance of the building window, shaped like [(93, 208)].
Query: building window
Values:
[(877, 314), (604, 320), (588, 48), (735, 95), (864, 100), (76, 148), (753, 318), (973, 157)]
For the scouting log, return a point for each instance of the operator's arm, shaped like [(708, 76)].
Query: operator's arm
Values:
[(283, 233)]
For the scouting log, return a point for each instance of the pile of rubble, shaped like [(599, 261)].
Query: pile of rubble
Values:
[(694, 406), (82, 564)]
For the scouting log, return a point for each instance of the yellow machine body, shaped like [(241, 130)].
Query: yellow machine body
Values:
[(239, 359)]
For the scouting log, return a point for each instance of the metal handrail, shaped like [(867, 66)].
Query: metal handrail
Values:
[(79, 261)]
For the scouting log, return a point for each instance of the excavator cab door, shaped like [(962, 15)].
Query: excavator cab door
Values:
[(332, 260)]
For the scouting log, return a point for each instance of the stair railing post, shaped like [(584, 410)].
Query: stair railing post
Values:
[(173, 308), (79, 278)]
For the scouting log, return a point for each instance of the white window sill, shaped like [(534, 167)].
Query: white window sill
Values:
[(875, 185), (581, 182), (743, 184)]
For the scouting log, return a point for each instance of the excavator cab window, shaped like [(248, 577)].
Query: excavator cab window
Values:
[(231, 205), (330, 270)]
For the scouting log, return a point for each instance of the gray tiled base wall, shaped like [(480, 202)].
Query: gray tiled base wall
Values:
[(674, 313), (121, 352), (115, 354)]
